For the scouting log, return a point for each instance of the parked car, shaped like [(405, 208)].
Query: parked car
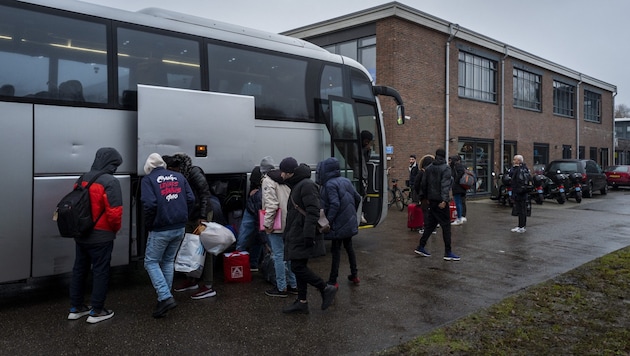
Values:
[(593, 177), (618, 176)]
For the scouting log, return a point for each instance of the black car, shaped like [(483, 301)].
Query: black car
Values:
[(593, 177)]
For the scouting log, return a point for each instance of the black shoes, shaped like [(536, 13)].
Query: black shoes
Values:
[(328, 295), (296, 308), (164, 306)]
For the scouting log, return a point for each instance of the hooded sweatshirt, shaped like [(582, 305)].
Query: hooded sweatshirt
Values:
[(105, 196), (166, 196), (339, 200)]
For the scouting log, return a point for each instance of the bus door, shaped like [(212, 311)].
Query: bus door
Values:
[(358, 163)]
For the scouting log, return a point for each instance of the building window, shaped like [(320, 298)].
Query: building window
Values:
[(581, 152), (541, 153), (592, 106), (477, 77), (563, 98), (526, 90), (566, 151), (362, 50), (592, 153)]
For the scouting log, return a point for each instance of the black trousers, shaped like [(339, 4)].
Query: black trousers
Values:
[(520, 206), (434, 217), (305, 276)]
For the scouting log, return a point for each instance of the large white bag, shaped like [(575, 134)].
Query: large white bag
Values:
[(191, 256), (216, 238)]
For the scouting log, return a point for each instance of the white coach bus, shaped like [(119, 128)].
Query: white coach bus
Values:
[(75, 77)]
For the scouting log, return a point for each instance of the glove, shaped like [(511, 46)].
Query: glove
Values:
[(309, 241)]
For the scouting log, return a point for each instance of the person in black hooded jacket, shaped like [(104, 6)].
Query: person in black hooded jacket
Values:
[(95, 250), (301, 238)]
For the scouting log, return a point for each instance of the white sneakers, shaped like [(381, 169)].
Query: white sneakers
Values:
[(520, 230), (459, 221)]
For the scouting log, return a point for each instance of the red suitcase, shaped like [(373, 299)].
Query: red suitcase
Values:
[(453, 210), (415, 217)]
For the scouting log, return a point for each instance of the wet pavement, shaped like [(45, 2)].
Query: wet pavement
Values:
[(401, 295)]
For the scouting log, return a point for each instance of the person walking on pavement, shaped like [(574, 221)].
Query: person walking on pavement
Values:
[(459, 193), (275, 197), (167, 202), (301, 237), (425, 161), (436, 188), (95, 250), (520, 181), (339, 200)]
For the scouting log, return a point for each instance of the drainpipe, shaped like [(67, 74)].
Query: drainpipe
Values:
[(448, 91), (614, 148), (503, 108), (577, 121)]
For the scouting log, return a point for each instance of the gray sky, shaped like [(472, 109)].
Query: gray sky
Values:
[(587, 36)]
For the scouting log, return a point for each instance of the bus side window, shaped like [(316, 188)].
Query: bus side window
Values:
[(7, 90), (71, 90)]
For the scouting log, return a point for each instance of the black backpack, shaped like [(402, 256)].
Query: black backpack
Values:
[(74, 211)]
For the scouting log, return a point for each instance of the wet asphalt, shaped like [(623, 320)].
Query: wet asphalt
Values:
[(401, 295)]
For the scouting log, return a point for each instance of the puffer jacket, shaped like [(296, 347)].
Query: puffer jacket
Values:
[(339, 200), (437, 181), (298, 227), (275, 195), (105, 196), (457, 171)]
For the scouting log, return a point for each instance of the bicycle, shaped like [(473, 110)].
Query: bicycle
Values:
[(400, 197)]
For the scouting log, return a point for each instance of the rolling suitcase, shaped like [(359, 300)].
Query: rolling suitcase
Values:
[(453, 210), (415, 217)]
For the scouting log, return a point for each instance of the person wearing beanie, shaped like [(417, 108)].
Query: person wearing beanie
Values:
[(275, 198), (250, 238), (302, 238), (267, 164), (167, 202), (288, 165), (436, 188)]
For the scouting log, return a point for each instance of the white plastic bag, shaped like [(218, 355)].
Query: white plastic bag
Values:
[(216, 238), (191, 256)]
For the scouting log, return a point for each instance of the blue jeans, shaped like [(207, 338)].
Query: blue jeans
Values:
[(99, 257), (284, 274), (248, 240), (459, 204), (159, 259)]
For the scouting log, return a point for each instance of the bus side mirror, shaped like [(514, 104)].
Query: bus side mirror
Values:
[(400, 114)]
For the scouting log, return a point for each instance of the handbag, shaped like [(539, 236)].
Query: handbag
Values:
[(323, 225), (216, 238), (191, 254), (277, 221)]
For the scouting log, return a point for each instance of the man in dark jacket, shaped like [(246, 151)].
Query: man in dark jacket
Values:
[(339, 200), (167, 201), (301, 238), (520, 180), (436, 187), (95, 250)]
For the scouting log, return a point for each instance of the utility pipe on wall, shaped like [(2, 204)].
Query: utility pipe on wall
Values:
[(447, 85), (577, 121), (503, 109)]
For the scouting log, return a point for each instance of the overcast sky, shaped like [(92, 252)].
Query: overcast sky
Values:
[(587, 36)]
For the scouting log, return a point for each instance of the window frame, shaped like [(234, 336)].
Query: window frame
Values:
[(530, 83), (477, 77)]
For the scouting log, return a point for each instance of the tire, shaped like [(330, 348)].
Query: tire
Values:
[(588, 192), (399, 200), (561, 199), (539, 199), (578, 197), (604, 190)]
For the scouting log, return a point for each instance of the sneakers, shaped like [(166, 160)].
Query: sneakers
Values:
[(354, 279), (78, 312), (188, 284), (296, 308), (96, 317), (520, 230), (451, 257), (204, 292), (335, 284), (422, 252), (328, 296), (277, 293), (163, 306), (292, 290), (463, 219), (363, 220), (457, 222)]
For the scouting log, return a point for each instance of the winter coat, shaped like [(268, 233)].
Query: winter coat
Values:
[(301, 229), (275, 194), (457, 171), (520, 180), (105, 196), (413, 174), (339, 200), (167, 200), (437, 181)]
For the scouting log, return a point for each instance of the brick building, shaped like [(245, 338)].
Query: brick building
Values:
[(499, 100)]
